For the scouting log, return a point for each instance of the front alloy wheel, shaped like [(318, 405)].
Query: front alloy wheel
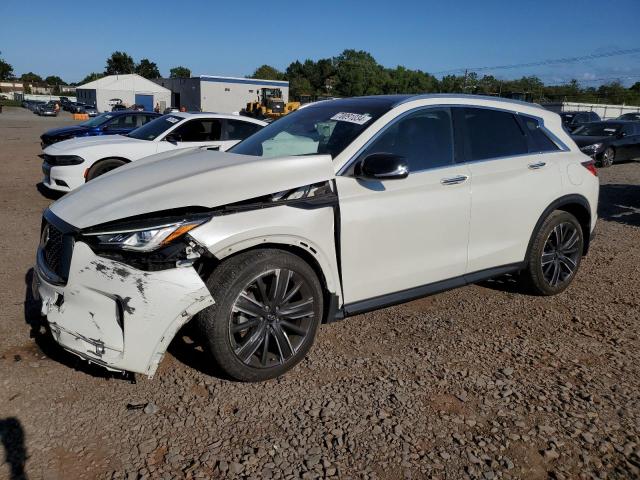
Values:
[(269, 304), (271, 318)]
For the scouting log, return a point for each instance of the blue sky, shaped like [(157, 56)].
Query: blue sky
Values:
[(71, 39)]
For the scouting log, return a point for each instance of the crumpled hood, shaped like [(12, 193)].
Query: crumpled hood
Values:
[(75, 145), (189, 178)]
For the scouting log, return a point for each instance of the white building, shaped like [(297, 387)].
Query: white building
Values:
[(129, 89), (208, 93)]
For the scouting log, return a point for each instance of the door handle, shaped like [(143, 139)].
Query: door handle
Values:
[(536, 165), (454, 180)]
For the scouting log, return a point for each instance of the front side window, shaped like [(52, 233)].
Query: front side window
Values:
[(123, 121), (326, 128), (539, 139), (155, 128), (199, 130), (424, 139), (492, 134), (239, 130)]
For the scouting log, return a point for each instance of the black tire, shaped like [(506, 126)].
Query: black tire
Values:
[(104, 166), (607, 158), (231, 333), (554, 256)]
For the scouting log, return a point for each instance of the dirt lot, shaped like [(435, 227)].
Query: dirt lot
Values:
[(481, 382)]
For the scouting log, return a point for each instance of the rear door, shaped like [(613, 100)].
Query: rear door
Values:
[(514, 177)]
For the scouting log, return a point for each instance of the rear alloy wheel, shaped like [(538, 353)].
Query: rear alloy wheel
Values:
[(555, 255), (104, 166), (608, 157), (267, 312)]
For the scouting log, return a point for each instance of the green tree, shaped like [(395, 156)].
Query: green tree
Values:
[(180, 72), (119, 63), (31, 77), (6, 70), (147, 69), (267, 72), (358, 73), (54, 80), (91, 77)]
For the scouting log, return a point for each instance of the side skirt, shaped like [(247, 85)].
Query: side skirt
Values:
[(403, 296)]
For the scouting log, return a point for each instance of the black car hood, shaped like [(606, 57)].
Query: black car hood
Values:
[(584, 140), (55, 132)]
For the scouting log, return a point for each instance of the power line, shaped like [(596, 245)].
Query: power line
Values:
[(592, 56)]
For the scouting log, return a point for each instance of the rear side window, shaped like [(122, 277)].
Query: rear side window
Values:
[(239, 130), (492, 134), (423, 138), (540, 142)]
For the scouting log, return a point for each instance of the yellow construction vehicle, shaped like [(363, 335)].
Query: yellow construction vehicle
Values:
[(269, 105)]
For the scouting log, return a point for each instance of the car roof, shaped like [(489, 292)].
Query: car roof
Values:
[(228, 116), (392, 101), (129, 112)]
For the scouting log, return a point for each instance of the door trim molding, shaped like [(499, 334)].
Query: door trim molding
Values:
[(390, 299)]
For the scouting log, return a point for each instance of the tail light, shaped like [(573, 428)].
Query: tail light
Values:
[(591, 166)]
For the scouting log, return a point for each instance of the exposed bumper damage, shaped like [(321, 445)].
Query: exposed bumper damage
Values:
[(117, 316)]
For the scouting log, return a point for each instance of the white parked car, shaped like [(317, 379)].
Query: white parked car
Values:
[(69, 164), (334, 210)]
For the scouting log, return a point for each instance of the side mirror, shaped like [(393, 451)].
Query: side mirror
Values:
[(382, 166), (173, 138), (621, 134)]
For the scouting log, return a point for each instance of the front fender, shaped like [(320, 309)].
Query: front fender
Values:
[(311, 229)]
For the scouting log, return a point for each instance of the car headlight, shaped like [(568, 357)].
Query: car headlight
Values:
[(592, 148), (146, 239)]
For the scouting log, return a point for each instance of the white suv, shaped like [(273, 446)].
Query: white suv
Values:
[(340, 208), (68, 164)]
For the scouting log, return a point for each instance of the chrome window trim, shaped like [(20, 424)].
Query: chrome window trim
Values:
[(559, 143)]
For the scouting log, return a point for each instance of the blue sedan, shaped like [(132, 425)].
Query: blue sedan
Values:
[(110, 123)]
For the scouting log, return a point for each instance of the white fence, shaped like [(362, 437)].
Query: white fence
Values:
[(606, 112), (46, 98)]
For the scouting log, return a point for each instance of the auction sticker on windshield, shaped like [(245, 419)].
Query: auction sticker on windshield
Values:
[(359, 118), (173, 119)]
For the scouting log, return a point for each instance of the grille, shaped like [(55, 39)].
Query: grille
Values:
[(53, 250), (57, 250)]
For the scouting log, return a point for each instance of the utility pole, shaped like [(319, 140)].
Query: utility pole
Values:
[(464, 86)]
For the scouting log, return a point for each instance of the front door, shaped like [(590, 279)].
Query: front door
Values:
[(199, 132), (405, 233)]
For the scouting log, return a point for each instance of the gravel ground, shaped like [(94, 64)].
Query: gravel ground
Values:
[(479, 382)]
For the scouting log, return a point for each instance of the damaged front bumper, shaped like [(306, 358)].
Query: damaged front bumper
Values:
[(115, 315)]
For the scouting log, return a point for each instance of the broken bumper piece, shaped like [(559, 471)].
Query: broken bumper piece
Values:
[(117, 316)]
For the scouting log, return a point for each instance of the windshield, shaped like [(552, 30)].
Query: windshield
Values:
[(155, 128), (598, 130), (97, 121), (629, 116), (324, 128)]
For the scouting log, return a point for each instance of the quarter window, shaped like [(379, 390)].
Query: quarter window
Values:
[(540, 142), (492, 134), (424, 139)]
